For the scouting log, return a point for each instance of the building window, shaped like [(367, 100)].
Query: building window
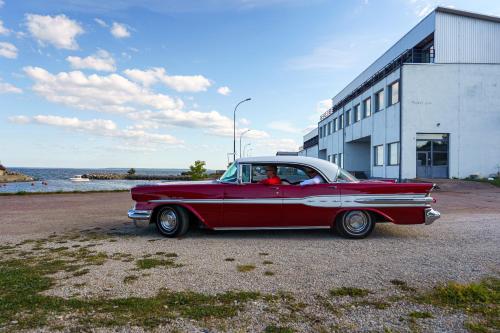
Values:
[(341, 121), (334, 158), (348, 117), (329, 128), (357, 115), (335, 125), (341, 160), (394, 93), (367, 107), (379, 100), (378, 155), (393, 153)]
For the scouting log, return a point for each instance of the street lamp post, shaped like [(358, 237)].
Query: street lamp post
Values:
[(234, 126), (241, 135), (245, 148)]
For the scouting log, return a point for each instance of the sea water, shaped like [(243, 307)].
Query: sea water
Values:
[(55, 179)]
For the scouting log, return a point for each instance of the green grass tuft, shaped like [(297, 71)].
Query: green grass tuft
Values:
[(148, 263), (420, 315), (349, 291), (278, 329), (245, 268)]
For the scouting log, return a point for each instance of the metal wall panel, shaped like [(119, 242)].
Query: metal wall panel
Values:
[(461, 39), (413, 37)]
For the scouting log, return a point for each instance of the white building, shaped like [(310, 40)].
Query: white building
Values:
[(429, 107)]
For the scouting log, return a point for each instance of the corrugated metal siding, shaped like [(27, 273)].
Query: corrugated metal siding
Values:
[(413, 37), (460, 39)]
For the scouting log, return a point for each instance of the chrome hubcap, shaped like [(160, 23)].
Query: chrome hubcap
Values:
[(168, 220), (356, 222)]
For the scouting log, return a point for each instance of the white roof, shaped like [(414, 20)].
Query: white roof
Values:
[(327, 169)]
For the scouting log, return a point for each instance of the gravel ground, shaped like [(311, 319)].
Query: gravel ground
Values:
[(462, 246)]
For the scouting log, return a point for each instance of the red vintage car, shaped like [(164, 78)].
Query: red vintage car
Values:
[(240, 200)]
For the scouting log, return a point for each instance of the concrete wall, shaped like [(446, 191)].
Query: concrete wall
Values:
[(464, 99), (380, 128), (310, 152), (461, 39)]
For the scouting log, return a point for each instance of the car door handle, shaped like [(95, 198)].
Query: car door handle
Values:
[(332, 186), (274, 188)]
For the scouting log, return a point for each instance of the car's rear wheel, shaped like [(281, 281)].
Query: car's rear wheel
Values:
[(355, 224), (172, 221)]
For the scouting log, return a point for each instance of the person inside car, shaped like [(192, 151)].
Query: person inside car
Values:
[(272, 178), (314, 178)]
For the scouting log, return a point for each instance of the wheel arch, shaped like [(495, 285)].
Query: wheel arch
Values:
[(377, 215), (188, 208)]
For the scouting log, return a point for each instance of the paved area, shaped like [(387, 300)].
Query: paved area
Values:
[(462, 246)]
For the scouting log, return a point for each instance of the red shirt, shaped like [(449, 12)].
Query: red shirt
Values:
[(271, 181)]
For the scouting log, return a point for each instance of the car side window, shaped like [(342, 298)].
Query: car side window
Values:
[(246, 173), (258, 173), (292, 174)]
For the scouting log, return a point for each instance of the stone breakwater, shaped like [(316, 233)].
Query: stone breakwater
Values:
[(11, 177), (117, 176)]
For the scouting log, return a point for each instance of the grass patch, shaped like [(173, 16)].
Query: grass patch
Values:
[(278, 329), (267, 262), (476, 327), (81, 272), (22, 305), (130, 278), (171, 255), (420, 315), (402, 285), (481, 298), (148, 263), (60, 192), (268, 273), (263, 254), (245, 268), (349, 291)]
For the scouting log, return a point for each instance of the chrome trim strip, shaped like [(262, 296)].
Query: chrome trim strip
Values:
[(139, 214), (394, 200), (272, 228), (329, 201), (431, 215)]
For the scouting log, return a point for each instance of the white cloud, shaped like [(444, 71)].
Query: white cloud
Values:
[(116, 94), (8, 50), (100, 127), (284, 126), (224, 91), (106, 93), (119, 30), (6, 88), (60, 31), (19, 119), (2, 3), (180, 83), (102, 23), (3, 30), (101, 61)]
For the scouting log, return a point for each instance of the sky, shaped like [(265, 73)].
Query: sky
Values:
[(153, 83)]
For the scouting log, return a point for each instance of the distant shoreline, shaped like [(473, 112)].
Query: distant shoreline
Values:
[(60, 192)]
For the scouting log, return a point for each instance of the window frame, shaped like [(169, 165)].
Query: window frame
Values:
[(369, 104), (348, 118), (357, 113), (389, 153), (376, 157), (379, 105), (390, 88)]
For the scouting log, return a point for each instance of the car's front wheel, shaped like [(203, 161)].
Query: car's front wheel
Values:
[(172, 221), (355, 224)]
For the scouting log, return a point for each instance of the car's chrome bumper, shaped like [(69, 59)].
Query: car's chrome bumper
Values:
[(139, 214), (431, 215)]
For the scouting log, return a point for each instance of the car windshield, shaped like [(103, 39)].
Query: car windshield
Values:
[(346, 177), (230, 174)]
